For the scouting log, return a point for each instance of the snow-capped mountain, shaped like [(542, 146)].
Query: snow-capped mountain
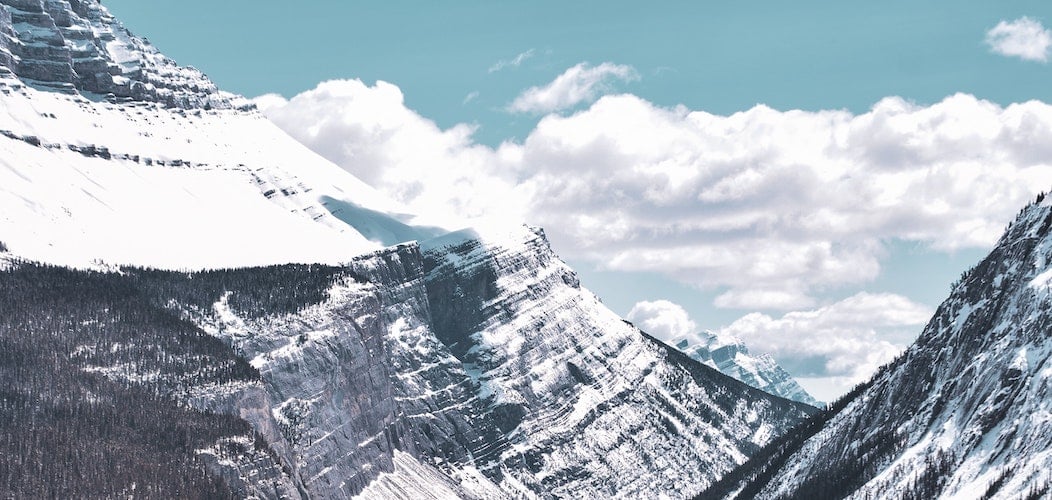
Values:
[(963, 413), (490, 365), (163, 169), (730, 356), (423, 362)]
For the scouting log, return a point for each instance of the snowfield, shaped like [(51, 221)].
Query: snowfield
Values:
[(84, 183)]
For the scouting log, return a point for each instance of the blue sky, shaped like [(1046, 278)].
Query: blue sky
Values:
[(718, 56), (461, 67)]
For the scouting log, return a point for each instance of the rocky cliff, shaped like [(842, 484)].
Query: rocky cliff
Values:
[(486, 367), (964, 413), (582, 397), (77, 46)]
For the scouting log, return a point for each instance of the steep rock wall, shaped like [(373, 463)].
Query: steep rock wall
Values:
[(77, 46)]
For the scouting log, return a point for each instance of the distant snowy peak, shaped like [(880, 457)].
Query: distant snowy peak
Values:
[(76, 46), (730, 356)]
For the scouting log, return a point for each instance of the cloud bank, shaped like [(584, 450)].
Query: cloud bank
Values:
[(1024, 38), (846, 340), (829, 348), (767, 207)]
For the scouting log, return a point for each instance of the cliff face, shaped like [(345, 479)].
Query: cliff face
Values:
[(77, 46), (357, 387), (964, 413), (584, 398), (486, 367)]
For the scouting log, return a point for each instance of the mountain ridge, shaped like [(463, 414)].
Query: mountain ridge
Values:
[(963, 413)]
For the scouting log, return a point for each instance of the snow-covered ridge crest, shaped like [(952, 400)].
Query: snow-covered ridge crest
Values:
[(111, 154)]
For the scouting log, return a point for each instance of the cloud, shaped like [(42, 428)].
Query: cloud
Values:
[(470, 97), (370, 132), (662, 319), (514, 62), (830, 348), (767, 207), (581, 83), (1024, 38), (769, 299), (270, 102), (847, 340)]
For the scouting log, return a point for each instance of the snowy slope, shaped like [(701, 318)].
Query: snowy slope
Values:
[(965, 413), (147, 185), (161, 177), (731, 357)]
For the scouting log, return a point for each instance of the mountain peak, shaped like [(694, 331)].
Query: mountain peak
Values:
[(76, 46), (731, 356)]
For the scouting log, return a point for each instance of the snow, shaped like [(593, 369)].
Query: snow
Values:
[(233, 190), (413, 480), (985, 411), (759, 371), (1042, 282)]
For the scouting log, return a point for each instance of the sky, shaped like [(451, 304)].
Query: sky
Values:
[(808, 176)]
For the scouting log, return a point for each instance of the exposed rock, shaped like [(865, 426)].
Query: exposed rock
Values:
[(963, 413), (79, 47), (485, 366), (731, 357), (584, 398)]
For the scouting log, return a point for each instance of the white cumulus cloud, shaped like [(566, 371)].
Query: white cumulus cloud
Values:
[(848, 339), (581, 83), (829, 349), (663, 319), (766, 207), (1024, 38)]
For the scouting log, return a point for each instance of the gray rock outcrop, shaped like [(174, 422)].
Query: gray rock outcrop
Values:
[(77, 46)]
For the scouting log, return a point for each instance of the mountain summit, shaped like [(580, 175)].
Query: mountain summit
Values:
[(76, 46), (731, 356)]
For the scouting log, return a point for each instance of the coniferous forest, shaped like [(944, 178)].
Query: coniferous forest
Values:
[(93, 366)]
